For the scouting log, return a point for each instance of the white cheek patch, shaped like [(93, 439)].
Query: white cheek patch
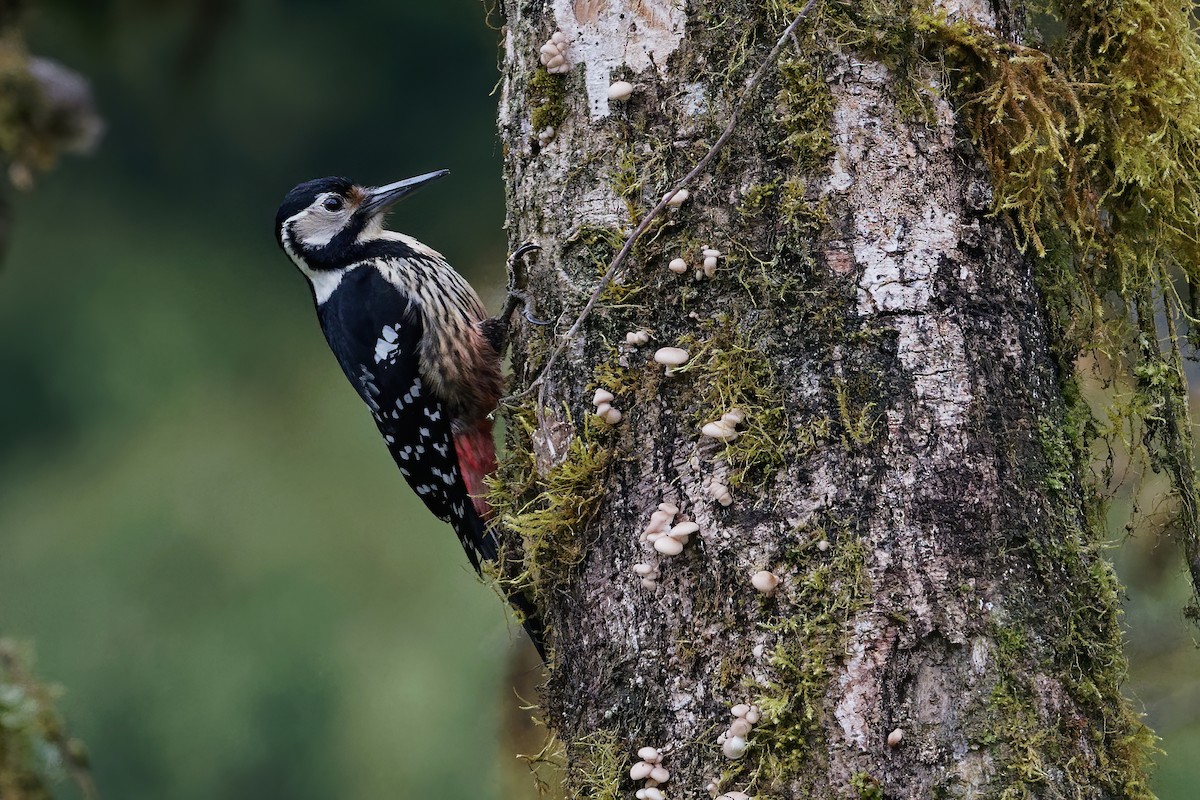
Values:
[(315, 230)]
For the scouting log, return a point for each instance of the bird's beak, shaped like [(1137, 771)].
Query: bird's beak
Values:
[(381, 198)]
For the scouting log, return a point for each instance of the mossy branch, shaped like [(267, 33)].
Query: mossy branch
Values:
[(34, 743)]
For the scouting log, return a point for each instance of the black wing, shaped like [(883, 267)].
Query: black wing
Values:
[(375, 332)]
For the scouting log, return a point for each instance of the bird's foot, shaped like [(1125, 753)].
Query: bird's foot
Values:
[(517, 295)]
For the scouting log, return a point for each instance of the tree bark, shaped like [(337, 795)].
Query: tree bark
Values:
[(944, 625)]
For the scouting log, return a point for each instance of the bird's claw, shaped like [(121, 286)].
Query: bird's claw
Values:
[(517, 277), (522, 249), (526, 306)]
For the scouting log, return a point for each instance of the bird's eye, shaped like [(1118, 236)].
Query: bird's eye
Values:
[(333, 203)]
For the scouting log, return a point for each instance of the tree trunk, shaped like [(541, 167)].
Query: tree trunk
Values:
[(905, 465)]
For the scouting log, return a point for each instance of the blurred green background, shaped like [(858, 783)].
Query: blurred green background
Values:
[(198, 526)]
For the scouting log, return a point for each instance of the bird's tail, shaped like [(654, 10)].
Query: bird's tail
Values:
[(476, 451)]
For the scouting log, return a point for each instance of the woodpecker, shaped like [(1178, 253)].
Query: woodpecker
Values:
[(414, 340)]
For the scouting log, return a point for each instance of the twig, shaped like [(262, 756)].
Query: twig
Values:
[(55, 731), (619, 260)]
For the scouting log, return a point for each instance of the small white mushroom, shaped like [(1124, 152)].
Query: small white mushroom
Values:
[(823, 545), (678, 198), (660, 774), (758, 650), (671, 357), (734, 796), (650, 755), (668, 508), (683, 530), (733, 747), (640, 771), (753, 715), (733, 416), (668, 546), (740, 727), (651, 793), (602, 396), (637, 338), (740, 710), (720, 431), (643, 569), (895, 737), (711, 788), (620, 90), (678, 265), (611, 416), (546, 135), (765, 581)]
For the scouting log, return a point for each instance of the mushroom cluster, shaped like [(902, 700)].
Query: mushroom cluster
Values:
[(637, 338), (668, 539), (553, 54), (648, 573), (546, 135), (650, 770), (725, 428), (708, 267), (602, 400), (718, 491), (733, 741)]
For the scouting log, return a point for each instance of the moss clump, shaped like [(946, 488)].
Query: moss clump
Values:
[(805, 106), (734, 373), (868, 788), (856, 420), (547, 505), (35, 750), (597, 767), (831, 587), (548, 96)]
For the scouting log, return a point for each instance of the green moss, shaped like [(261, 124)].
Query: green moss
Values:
[(35, 751), (547, 506), (732, 372), (868, 788), (547, 95), (831, 587), (597, 767), (805, 108), (857, 421), (757, 199)]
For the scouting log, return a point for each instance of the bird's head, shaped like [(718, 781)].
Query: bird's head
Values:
[(320, 222)]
